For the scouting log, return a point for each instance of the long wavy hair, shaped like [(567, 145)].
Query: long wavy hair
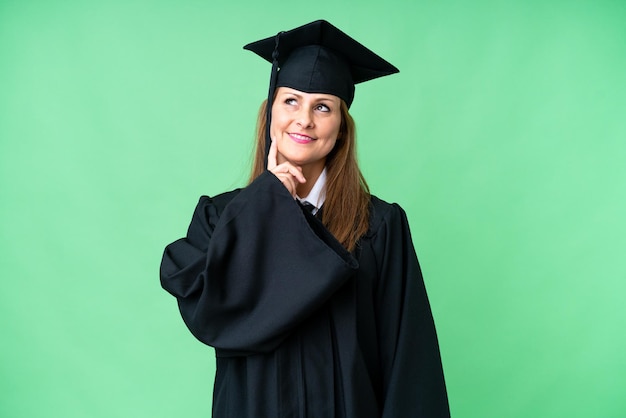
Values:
[(346, 208)]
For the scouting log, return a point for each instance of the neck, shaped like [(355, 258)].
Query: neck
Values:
[(304, 189), (311, 173)]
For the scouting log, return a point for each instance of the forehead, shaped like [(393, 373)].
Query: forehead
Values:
[(308, 96)]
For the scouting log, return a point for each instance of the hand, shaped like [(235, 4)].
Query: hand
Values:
[(290, 175)]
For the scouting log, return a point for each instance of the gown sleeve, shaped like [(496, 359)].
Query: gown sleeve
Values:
[(244, 278), (413, 381)]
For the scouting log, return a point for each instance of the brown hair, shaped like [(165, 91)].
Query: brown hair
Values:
[(346, 208)]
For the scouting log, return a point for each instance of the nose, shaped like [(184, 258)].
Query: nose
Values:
[(304, 118)]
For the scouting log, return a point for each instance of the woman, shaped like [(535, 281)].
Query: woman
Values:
[(307, 286)]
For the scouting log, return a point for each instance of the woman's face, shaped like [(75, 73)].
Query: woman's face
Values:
[(305, 127)]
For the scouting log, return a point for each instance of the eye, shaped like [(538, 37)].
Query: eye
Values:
[(322, 107), (291, 101)]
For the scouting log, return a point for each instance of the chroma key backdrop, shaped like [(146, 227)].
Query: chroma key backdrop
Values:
[(503, 137)]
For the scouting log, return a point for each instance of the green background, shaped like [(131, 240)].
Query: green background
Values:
[(503, 137)]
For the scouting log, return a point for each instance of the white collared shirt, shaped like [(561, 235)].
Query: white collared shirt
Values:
[(317, 195)]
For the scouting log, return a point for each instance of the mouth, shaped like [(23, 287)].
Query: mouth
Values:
[(301, 138)]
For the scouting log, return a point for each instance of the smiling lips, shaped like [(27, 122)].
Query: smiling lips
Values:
[(300, 138)]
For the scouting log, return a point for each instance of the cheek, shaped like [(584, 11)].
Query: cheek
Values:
[(274, 128), (333, 130), (329, 146), (278, 123)]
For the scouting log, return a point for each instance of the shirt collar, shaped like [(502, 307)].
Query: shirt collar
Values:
[(317, 195)]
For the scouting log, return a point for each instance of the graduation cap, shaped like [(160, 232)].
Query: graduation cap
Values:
[(318, 58)]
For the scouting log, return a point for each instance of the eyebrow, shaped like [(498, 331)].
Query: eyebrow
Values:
[(299, 96)]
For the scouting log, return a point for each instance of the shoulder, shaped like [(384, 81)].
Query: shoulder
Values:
[(213, 206), (219, 201), (264, 187), (383, 214)]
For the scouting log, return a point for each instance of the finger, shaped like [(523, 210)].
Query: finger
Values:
[(295, 171), (271, 156), (293, 187), (288, 181)]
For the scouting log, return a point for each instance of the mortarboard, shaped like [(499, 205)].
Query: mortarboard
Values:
[(318, 58)]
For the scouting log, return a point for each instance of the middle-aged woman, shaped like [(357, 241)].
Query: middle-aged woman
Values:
[(307, 286)]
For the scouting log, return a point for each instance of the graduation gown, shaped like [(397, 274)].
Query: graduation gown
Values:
[(300, 326)]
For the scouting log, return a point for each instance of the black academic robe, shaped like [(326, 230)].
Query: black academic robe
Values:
[(301, 327)]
